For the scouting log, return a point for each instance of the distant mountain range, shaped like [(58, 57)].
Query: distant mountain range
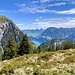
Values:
[(53, 33), (71, 37), (33, 32)]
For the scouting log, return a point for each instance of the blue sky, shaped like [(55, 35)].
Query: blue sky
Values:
[(32, 14)]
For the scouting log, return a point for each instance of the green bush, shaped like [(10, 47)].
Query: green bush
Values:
[(11, 67), (7, 69), (69, 45), (45, 56), (38, 72)]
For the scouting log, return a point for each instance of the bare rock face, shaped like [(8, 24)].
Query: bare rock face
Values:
[(7, 29)]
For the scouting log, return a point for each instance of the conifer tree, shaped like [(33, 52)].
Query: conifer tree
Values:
[(41, 49), (10, 49), (69, 45), (25, 46)]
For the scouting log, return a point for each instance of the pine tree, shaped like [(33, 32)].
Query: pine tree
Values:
[(69, 45), (41, 49), (25, 46), (10, 49)]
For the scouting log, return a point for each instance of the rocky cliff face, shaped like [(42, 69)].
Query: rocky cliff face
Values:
[(7, 29)]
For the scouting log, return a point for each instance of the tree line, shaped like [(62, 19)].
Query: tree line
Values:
[(12, 49), (65, 46)]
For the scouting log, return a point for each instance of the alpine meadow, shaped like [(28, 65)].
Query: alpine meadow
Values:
[(37, 37)]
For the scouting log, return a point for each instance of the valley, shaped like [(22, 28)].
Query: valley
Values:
[(51, 33)]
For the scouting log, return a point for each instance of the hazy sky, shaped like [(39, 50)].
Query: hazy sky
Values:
[(31, 14)]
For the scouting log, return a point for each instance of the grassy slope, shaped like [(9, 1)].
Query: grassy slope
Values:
[(61, 62)]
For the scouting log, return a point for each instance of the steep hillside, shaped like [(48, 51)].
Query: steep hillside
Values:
[(60, 62), (7, 29), (53, 43)]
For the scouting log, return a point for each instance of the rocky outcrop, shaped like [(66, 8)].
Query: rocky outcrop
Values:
[(7, 29)]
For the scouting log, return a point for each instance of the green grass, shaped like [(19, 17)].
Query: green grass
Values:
[(69, 60), (26, 61)]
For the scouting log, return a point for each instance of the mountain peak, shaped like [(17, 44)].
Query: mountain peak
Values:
[(4, 19), (7, 29)]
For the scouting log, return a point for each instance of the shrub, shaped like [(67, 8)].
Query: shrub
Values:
[(38, 72)]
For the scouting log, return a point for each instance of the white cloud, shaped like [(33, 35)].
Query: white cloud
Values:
[(71, 11), (55, 22), (44, 10), (2, 11), (8, 11), (36, 7), (50, 22), (58, 4), (21, 26), (25, 26), (71, 2), (42, 1)]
